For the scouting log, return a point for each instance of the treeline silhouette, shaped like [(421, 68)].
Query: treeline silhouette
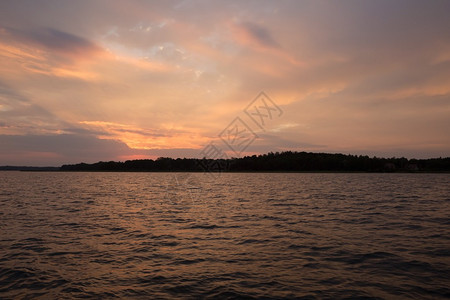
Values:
[(273, 162)]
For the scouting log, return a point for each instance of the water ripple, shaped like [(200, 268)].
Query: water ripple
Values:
[(240, 236)]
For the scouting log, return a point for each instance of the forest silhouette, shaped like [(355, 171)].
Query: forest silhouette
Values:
[(273, 162)]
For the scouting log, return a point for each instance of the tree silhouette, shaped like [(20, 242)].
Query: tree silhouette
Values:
[(287, 161)]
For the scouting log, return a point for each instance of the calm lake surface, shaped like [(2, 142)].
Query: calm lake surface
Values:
[(192, 235)]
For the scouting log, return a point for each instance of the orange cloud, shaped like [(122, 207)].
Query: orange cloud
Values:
[(48, 52), (138, 138)]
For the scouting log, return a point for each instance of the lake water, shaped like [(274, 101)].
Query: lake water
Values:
[(192, 235)]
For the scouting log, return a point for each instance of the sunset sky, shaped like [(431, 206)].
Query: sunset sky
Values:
[(83, 81)]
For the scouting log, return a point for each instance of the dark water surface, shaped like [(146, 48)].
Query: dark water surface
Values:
[(183, 235)]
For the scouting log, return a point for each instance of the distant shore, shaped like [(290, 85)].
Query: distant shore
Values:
[(279, 162)]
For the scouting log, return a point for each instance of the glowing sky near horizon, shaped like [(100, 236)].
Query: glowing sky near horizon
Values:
[(116, 80)]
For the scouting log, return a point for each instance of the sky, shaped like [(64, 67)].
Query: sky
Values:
[(85, 81)]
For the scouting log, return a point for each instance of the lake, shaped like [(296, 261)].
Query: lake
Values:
[(224, 236)]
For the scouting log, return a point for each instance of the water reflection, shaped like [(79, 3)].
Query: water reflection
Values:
[(258, 235)]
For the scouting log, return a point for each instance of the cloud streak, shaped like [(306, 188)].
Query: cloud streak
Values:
[(255, 34)]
